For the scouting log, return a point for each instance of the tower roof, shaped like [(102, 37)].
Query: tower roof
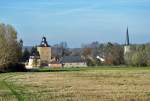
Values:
[(44, 42)]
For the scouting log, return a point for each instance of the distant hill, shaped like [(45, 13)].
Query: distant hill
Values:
[(75, 51), (28, 47)]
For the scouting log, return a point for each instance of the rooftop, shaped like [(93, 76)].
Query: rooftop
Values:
[(71, 59)]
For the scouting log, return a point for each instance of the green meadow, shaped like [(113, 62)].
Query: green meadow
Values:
[(77, 84)]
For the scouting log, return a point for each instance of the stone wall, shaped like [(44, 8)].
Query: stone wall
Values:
[(45, 54)]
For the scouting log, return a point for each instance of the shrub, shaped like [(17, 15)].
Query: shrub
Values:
[(16, 67)]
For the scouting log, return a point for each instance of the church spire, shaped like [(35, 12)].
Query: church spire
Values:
[(127, 44), (127, 37)]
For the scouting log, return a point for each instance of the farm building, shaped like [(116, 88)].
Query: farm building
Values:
[(73, 61)]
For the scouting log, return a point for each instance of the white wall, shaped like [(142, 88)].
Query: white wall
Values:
[(80, 64)]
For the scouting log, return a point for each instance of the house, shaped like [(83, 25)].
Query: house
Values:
[(102, 59), (34, 62), (72, 61), (55, 64)]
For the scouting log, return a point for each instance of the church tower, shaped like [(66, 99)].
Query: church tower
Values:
[(45, 52), (127, 43)]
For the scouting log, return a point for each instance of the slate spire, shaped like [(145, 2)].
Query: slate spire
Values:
[(44, 42), (127, 37)]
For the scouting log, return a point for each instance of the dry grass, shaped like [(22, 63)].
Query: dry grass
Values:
[(89, 85)]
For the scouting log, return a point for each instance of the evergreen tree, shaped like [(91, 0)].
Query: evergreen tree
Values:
[(26, 55)]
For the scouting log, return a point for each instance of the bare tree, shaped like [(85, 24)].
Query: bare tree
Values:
[(10, 48)]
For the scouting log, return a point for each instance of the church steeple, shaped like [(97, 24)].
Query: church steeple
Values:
[(127, 37), (127, 44)]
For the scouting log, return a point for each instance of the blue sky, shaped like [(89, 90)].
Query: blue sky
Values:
[(78, 21)]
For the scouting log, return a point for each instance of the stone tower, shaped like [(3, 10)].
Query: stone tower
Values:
[(45, 52), (127, 43)]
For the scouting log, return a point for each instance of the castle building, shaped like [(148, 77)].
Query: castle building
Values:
[(45, 52), (127, 43)]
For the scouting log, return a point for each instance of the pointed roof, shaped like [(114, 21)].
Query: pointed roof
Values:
[(127, 37), (44, 42)]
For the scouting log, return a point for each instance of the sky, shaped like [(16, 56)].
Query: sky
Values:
[(77, 21)]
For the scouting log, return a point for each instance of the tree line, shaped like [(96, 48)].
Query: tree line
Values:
[(112, 53)]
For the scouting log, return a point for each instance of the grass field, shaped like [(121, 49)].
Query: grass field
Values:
[(77, 84)]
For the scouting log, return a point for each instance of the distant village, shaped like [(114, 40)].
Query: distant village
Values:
[(45, 57), (60, 56), (17, 57)]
